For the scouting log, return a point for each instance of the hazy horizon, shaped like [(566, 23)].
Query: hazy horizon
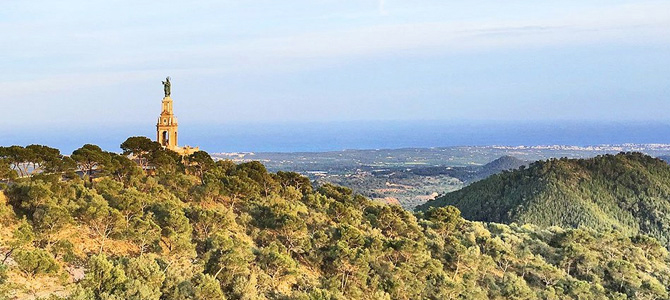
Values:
[(335, 136)]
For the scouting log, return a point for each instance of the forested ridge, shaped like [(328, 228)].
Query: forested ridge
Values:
[(628, 192), (200, 229)]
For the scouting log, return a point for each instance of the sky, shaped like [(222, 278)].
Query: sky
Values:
[(99, 64)]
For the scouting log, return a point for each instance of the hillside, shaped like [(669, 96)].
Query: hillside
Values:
[(665, 158), (503, 163), (629, 192), (218, 230)]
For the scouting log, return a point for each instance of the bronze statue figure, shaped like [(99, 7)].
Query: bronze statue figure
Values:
[(166, 86)]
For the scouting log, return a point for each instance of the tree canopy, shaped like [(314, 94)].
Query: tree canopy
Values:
[(235, 231), (629, 192)]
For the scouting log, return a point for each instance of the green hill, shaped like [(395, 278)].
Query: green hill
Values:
[(199, 229), (503, 163), (629, 192)]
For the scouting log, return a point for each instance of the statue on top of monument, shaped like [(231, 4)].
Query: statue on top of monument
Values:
[(166, 86)]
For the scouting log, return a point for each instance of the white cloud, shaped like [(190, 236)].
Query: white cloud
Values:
[(92, 57), (622, 25)]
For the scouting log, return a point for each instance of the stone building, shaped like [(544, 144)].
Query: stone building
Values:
[(166, 128)]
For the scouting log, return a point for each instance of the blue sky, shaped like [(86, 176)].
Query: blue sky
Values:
[(100, 63)]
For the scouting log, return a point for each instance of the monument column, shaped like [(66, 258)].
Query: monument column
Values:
[(166, 128)]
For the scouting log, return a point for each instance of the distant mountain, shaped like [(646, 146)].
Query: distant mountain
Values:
[(473, 173), (665, 158), (627, 191), (503, 163)]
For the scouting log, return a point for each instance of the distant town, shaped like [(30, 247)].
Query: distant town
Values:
[(412, 176)]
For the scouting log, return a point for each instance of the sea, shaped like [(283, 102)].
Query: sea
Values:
[(334, 136)]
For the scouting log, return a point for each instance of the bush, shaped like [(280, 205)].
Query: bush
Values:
[(35, 262)]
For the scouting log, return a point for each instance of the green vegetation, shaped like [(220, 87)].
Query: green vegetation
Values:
[(203, 229), (412, 186), (628, 192)]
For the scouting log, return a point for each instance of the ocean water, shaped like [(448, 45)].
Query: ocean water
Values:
[(333, 136)]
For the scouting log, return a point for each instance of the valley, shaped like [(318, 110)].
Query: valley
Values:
[(412, 176)]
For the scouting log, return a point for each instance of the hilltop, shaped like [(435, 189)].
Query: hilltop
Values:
[(629, 192), (503, 163), (199, 229)]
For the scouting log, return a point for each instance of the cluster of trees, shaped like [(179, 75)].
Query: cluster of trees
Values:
[(91, 161), (629, 192), (205, 229), (17, 161)]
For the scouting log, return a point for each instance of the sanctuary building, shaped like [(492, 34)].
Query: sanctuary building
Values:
[(166, 128)]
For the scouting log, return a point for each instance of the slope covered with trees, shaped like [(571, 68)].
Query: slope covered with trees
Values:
[(628, 192), (503, 163), (199, 229)]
